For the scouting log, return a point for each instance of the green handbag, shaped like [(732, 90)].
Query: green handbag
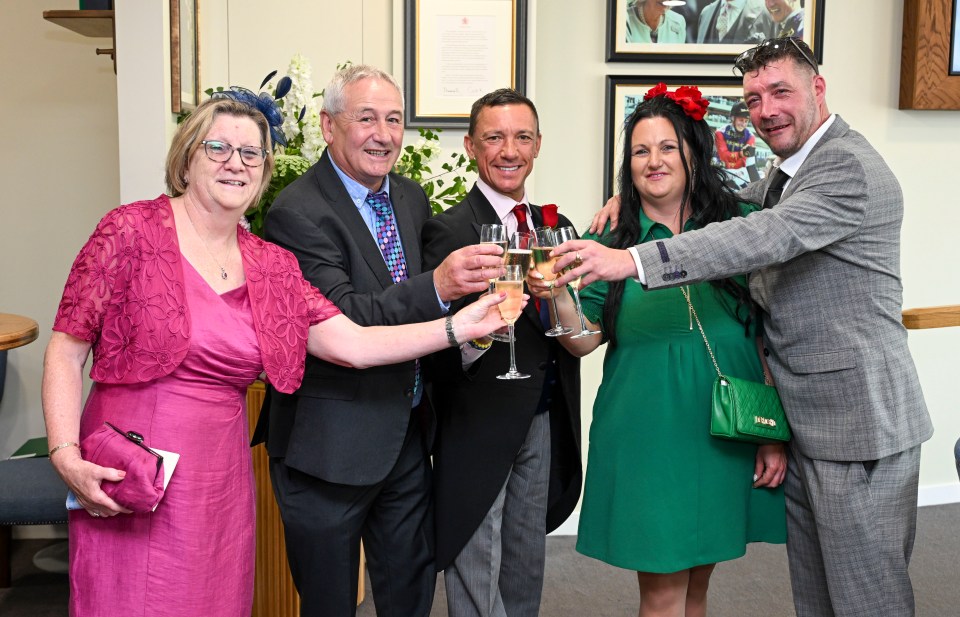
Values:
[(740, 409)]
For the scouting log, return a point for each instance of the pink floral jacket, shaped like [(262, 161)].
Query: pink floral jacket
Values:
[(125, 295)]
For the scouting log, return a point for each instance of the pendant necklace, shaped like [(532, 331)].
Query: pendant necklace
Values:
[(203, 241)]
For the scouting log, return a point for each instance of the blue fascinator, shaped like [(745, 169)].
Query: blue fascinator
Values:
[(265, 102)]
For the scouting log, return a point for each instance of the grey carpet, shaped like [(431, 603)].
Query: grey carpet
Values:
[(756, 585)]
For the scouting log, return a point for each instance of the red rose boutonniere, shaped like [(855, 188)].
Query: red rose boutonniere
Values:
[(550, 216)]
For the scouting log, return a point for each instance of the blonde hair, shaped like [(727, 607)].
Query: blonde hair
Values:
[(191, 131)]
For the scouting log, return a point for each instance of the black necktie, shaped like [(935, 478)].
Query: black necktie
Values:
[(775, 189)]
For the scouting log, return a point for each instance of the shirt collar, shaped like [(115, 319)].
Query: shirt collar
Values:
[(356, 191), (647, 225), (502, 204), (791, 165)]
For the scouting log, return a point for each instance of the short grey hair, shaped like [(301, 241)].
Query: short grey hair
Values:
[(333, 100)]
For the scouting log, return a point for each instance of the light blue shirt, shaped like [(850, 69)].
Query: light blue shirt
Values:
[(358, 194)]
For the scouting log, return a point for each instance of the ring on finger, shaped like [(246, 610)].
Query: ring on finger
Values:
[(95, 514), (578, 258)]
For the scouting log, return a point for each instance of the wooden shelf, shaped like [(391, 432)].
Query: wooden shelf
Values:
[(932, 317), (87, 23)]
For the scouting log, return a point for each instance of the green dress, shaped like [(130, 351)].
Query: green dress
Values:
[(661, 494)]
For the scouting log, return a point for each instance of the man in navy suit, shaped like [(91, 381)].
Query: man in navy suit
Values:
[(349, 451)]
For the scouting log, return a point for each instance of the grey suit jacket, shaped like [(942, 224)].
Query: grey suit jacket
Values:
[(748, 27), (347, 425), (825, 268)]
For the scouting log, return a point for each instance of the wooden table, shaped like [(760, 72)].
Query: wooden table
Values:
[(16, 331)]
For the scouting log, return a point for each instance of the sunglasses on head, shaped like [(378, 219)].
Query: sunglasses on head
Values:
[(770, 50)]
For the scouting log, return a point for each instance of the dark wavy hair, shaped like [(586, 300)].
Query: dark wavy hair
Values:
[(706, 195)]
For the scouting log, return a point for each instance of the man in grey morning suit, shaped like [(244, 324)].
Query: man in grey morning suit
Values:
[(825, 269), (349, 450)]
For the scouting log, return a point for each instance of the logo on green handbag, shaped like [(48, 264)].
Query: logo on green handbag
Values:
[(765, 421)]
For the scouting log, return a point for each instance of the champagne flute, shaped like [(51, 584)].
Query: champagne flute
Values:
[(543, 244), (520, 251), (560, 236), (511, 282), (494, 234)]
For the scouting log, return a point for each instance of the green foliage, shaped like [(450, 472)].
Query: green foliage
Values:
[(444, 188)]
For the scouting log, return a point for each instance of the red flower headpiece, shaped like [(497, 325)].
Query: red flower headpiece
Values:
[(687, 97), (550, 217)]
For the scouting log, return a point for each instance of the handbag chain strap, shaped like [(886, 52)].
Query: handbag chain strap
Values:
[(686, 295)]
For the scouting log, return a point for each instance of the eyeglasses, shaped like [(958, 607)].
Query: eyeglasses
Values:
[(771, 50), (220, 152)]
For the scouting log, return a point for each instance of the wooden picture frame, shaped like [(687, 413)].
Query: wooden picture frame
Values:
[(455, 51), (624, 92), (628, 38), (184, 55), (929, 38)]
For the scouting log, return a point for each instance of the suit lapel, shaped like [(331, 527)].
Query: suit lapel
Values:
[(409, 234), (332, 188), (839, 128)]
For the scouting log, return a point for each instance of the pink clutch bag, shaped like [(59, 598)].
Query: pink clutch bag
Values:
[(142, 487)]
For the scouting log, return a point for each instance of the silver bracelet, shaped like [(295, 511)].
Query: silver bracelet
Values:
[(451, 337)]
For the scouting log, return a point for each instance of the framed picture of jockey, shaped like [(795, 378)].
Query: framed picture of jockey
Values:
[(742, 155), (706, 30)]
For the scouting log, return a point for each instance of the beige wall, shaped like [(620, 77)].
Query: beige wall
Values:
[(59, 167), (67, 98)]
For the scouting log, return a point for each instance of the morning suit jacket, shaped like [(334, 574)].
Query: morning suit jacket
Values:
[(483, 421), (825, 268), (347, 425), (746, 28)]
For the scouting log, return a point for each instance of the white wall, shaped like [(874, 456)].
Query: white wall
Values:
[(862, 74), (59, 162), (65, 101)]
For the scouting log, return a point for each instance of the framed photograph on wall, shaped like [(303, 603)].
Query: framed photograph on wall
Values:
[(702, 31), (184, 55), (458, 50), (726, 116), (930, 58)]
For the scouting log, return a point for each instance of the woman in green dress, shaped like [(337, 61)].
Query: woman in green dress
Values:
[(662, 496)]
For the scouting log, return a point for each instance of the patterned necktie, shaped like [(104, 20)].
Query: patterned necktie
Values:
[(723, 20), (520, 213), (775, 190), (388, 239)]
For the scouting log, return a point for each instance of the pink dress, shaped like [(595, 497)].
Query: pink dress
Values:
[(171, 361), (194, 554)]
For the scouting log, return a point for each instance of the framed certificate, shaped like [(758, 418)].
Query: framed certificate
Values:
[(458, 50)]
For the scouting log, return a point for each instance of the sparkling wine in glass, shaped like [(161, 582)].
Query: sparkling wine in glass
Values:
[(560, 236), (543, 244), (511, 283), (494, 234)]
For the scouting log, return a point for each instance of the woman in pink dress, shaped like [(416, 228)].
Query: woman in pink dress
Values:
[(183, 310)]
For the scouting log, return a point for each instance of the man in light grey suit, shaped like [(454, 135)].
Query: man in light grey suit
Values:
[(824, 264)]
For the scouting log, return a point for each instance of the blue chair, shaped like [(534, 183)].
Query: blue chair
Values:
[(31, 493)]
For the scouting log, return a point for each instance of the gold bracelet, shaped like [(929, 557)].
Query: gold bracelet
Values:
[(65, 444), (478, 345)]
